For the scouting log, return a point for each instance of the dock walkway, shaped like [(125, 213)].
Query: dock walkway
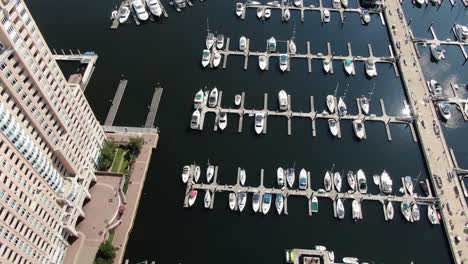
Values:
[(154, 106), (116, 102)]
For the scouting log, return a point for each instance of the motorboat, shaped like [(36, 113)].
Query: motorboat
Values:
[(350, 260), (424, 188), (436, 88), (386, 183), (256, 200), (390, 211), (154, 7), (280, 177), (209, 173), (279, 203), (185, 173), (331, 255), (331, 103), (314, 205), (242, 43), (292, 47), (327, 64), (327, 181), (283, 100), (287, 14), (124, 13), (266, 203), (291, 177), (371, 69), (195, 121), (222, 121), (242, 176), (444, 110), (437, 52), (260, 12), (349, 66), (365, 16), (237, 99), (180, 4), (337, 181), (409, 184), (351, 178), (262, 62), (199, 99), (356, 210), (326, 16), (303, 179), (267, 13), (192, 197), (207, 199), (336, 4), (406, 211), (219, 41), (461, 33), (239, 9), (415, 212), (210, 40), (376, 179), (216, 58), (320, 248), (298, 3), (197, 173), (259, 122), (206, 57), (283, 62), (359, 128), (344, 3), (271, 44), (432, 214), (232, 201), (361, 181), (213, 98), (364, 104), (342, 108), (339, 207), (333, 125), (140, 10), (241, 200)]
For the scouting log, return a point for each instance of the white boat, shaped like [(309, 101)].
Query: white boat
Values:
[(242, 43), (333, 125), (364, 104), (232, 201), (436, 88), (206, 57), (283, 62), (154, 7), (260, 12), (342, 108), (207, 199), (351, 178), (359, 128), (241, 200), (376, 179), (340, 212), (302, 179), (350, 260), (361, 181), (237, 99), (320, 248), (390, 211), (298, 3), (267, 13), (386, 183), (199, 99), (197, 173), (432, 214), (140, 10), (444, 110), (210, 40), (266, 203), (290, 176), (409, 184), (371, 69), (287, 14), (195, 121), (415, 212), (222, 121), (331, 103), (327, 64), (256, 200), (349, 66), (279, 203), (292, 47), (314, 205), (356, 210), (242, 176), (271, 44), (344, 3), (437, 52), (216, 58), (283, 100), (209, 173), (259, 122), (327, 181), (185, 173), (331, 255), (365, 16), (406, 211), (461, 32), (239, 9), (326, 16), (192, 197), (280, 177), (114, 14), (219, 41), (337, 181), (124, 13), (262, 62), (213, 98), (336, 4)]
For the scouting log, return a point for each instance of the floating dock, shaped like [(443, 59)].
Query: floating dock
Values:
[(88, 58), (116, 102), (154, 106), (436, 41)]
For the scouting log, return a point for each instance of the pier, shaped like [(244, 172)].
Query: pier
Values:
[(154, 106), (88, 58), (436, 41), (455, 100), (116, 102)]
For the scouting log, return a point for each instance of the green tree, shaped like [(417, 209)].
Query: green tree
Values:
[(134, 146), (105, 253), (107, 155)]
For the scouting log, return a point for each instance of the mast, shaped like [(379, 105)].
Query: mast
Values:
[(336, 92), (371, 92)]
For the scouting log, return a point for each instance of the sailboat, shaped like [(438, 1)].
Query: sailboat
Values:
[(364, 104), (279, 203), (327, 64), (283, 100), (327, 181), (342, 109), (192, 197), (415, 212), (222, 121), (197, 173), (333, 125), (390, 211), (213, 98), (351, 180), (290, 176), (266, 203), (185, 173), (339, 207), (337, 181), (210, 40), (260, 12), (406, 211), (209, 173), (283, 62), (302, 179), (356, 210), (314, 205), (349, 66), (242, 176), (359, 128), (262, 62), (409, 184), (280, 177), (207, 199), (256, 200), (241, 200), (361, 181), (232, 201), (292, 47), (331, 103)]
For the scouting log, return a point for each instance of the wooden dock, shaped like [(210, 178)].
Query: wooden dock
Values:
[(154, 106), (116, 102)]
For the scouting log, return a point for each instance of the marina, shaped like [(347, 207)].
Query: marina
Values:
[(436, 41)]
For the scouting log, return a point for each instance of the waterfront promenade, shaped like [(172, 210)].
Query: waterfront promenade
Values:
[(433, 144)]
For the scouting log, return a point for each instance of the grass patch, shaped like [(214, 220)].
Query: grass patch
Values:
[(119, 156), (111, 236)]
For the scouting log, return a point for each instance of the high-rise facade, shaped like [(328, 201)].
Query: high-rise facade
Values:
[(50, 141)]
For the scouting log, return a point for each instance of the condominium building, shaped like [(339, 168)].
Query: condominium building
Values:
[(50, 141)]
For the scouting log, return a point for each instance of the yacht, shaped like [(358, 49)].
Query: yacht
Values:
[(359, 128), (222, 121), (267, 13), (154, 7), (290, 176), (333, 125), (256, 200), (197, 173), (271, 44), (279, 203), (283, 100), (336, 4), (385, 183), (199, 99), (390, 211), (326, 16), (140, 10), (339, 207), (232, 200), (124, 13), (351, 180), (327, 181), (298, 3), (283, 62), (444, 110), (242, 43), (216, 58), (361, 181), (314, 205), (195, 121), (327, 64), (356, 209), (406, 211), (259, 121), (242, 176), (303, 179), (207, 199), (365, 16), (237, 99), (292, 47), (349, 66), (262, 62), (206, 57), (437, 52), (432, 214), (260, 12), (344, 3), (241, 200), (409, 184), (331, 103), (337, 181), (192, 197), (213, 98), (239, 9), (287, 14), (364, 104), (415, 212), (209, 173), (266, 203), (219, 41), (280, 177), (371, 69), (210, 40), (342, 109), (461, 32), (185, 173), (436, 88)]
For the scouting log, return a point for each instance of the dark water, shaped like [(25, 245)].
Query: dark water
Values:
[(169, 52)]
